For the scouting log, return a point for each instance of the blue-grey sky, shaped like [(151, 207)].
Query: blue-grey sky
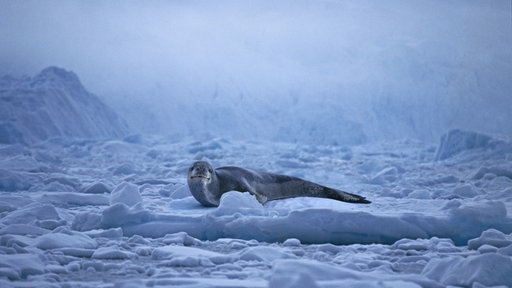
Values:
[(356, 54)]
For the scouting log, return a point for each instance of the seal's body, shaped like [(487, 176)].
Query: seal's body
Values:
[(207, 185)]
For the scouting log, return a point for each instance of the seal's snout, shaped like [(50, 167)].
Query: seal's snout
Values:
[(192, 177)]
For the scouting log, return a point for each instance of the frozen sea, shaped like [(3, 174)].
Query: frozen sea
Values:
[(320, 90), (118, 213)]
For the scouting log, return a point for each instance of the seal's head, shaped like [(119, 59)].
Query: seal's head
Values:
[(200, 171), (203, 184)]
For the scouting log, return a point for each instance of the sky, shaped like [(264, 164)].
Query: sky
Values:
[(284, 70)]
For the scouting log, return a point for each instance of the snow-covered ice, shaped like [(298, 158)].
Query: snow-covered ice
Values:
[(439, 215), (321, 90)]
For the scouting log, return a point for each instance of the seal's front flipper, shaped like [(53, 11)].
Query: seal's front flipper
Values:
[(261, 198)]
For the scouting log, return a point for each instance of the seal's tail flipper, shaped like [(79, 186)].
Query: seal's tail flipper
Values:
[(346, 197)]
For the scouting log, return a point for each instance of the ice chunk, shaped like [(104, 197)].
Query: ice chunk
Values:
[(291, 280), (490, 237), (9, 203), (53, 186), (76, 252), (180, 192), (23, 229), (466, 191), (189, 256), (97, 188), (170, 251), (125, 193), (70, 198), (469, 220), (496, 170), (86, 221), (124, 169), (71, 239), (487, 249), (292, 242), (180, 238), (119, 215), (233, 202), (507, 251), (432, 244), (23, 162), (458, 141), (488, 269), (420, 194), (489, 212), (388, 174), (264, 254), (21, 266), (289, 272), (112, 253), (16, 241), (457, 221), (112, 233), (13, 181), (32, 213)]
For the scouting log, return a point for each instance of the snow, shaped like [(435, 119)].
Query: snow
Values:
[(432, 222)]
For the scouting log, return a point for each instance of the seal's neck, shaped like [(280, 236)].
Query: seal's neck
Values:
[(205, 191)]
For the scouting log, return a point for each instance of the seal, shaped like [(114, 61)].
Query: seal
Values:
[(207, 185)]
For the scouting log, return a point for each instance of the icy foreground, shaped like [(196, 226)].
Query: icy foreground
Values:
[(105, 213)]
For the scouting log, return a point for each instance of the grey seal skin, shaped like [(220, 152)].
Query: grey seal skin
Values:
[(207, 185)]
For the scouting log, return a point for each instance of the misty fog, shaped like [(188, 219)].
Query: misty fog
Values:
[(324, 71)]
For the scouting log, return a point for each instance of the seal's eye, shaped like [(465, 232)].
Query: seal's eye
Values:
[(210, 170)]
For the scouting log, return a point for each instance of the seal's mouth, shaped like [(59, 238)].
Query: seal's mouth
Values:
[(200, 177)]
